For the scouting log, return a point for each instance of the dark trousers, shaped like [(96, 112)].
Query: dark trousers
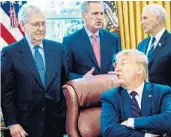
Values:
[(54, 124), (55, 120)]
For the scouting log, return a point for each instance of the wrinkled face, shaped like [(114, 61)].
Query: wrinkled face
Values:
[(35, 29), (126, 70), (94, 17), (149, 22)]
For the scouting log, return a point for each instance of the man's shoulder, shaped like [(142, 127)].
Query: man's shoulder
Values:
[(159, 89), (74, 35), (52, 43), (143, 41), (112, 93), (13, 46), (108, 33)]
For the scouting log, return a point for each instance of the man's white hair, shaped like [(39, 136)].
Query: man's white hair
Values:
[(158, 10), (27, 10)]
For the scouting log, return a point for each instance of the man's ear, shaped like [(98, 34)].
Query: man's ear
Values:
[(159, 19), (139, 71), (83, 15)]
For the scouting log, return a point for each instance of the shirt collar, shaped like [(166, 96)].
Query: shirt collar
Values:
[(32, 46), (139, 90), (90, 34), (158, 35)]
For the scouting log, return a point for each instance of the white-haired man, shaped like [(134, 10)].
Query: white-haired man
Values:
[(157, 46), (33, 73)]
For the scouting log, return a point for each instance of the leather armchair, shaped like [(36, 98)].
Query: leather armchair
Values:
[(84, 105)]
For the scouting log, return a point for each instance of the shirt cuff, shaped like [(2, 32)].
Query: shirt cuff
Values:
[(148, 135), (131, 123)]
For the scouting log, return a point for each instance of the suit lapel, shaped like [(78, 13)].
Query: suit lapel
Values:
[(126, 103), (50, 62), (87, 45), (159, 46), (146, 100), (27, 59)]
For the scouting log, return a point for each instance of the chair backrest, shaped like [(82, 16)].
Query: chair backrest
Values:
[(83, 104)]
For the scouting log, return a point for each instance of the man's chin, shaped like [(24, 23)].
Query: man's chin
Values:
[(39, 38)]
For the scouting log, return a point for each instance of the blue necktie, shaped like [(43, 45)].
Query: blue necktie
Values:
[(134, 105), (151, 51), (39, 64)]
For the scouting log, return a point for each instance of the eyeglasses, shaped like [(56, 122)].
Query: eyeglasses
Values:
[(37, 24)]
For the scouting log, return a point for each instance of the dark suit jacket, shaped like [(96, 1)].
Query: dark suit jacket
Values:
[(23, 95), (160, 64), (80, 54), (155, 112)]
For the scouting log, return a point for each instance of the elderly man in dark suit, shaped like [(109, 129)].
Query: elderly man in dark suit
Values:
[(158, 45), (135, 108), (32, 75), (90, 50)]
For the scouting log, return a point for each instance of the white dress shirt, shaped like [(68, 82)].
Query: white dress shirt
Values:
[(157, 37)]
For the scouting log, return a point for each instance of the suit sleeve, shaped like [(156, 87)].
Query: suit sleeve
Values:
[(69, 60), (159, 123), (7, 89), (118, 48), (64, 69), (110, 124)]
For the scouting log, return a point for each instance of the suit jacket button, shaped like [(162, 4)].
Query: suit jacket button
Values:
[(43, 109)]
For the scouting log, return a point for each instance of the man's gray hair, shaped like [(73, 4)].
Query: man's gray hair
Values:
[(140, 59), (85, 4), (158, 10), (27, 10)]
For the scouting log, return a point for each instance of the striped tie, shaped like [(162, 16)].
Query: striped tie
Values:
[(39, 64), (134, 105)]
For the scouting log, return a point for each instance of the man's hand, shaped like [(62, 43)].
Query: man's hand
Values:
[(17, 131), (89, 73), (125, 123)]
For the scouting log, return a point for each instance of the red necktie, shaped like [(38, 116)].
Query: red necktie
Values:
[(134, 105), (96, 49)]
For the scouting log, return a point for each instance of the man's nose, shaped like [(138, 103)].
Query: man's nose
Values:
[(41, 27)]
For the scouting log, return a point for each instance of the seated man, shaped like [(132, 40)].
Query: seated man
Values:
[(136, 108)]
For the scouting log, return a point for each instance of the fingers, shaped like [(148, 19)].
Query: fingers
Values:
[(89, 73), (17, 131), (91, 70)]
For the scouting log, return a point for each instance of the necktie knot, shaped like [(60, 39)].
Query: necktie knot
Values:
[(36, 48), (94, 37), (153, 40), (133, 93)]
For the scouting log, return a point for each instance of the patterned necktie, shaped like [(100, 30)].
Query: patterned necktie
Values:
[(134, 105), (151, 51), (39, 64), (96, 49)]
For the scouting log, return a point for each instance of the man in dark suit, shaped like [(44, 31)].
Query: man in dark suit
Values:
[(32, 75), (90, 50), (135, 108), (158, 51)]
